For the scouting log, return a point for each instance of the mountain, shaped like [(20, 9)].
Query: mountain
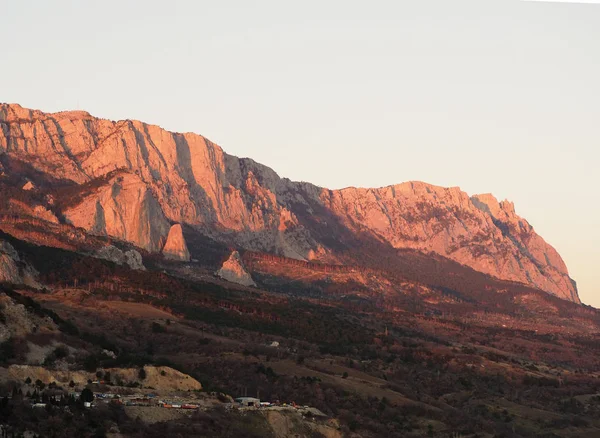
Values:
[(133, 181), (157, 263)]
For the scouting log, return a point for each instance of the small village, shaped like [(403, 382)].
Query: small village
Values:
[(189, 403), (55, 397), (146, 404)]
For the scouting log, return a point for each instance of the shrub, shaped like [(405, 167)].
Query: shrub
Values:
[(87, 395), (157, 328), (60, 352)]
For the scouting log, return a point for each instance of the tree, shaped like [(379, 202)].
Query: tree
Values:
[(142, 373), (157, 328), (345, 375), (60, 352), (7, 351), (90, 363), (87, 395)]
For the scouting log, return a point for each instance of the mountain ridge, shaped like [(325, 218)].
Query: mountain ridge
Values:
[(145, 179)]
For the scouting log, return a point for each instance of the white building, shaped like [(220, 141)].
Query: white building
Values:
[(248, 401)]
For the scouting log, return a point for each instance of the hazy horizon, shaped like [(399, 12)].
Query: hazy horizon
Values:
[(491, 96)]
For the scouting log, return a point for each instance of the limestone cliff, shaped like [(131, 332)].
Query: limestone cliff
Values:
[(233, 270), (136, 179), (123, 208), (176, 248), (478, 232)]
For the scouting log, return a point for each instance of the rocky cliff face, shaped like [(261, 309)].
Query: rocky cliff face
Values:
[(124, 208), (475, 231), (137, 179)]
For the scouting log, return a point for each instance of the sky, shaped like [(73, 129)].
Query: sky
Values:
[(499, 96)]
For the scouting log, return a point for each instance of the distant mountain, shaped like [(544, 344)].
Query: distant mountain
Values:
[(134, 181)]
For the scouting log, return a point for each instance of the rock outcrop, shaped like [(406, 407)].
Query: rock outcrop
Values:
[(17, 320), (7, 248), (233, 270), (131, 258), (36, 211), (137, 179), (134, 260), (9, 271), (14, 270), (176, 248)]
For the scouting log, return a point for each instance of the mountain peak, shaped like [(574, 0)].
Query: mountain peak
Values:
[(497, 209)]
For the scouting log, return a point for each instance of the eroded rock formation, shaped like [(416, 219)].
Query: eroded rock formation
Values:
[(176, 248), (233, 270), (131, 258)]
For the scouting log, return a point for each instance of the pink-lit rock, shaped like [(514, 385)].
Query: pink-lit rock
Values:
[(170, 177)]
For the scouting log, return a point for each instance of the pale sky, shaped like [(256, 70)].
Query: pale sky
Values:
[(498, 96)]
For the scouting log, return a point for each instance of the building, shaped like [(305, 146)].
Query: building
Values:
[(248, 401)]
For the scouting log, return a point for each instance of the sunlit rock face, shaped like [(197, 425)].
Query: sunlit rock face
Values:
[(233, 270), (124, 208), (176, 248), (137, 179), (477, 231)]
